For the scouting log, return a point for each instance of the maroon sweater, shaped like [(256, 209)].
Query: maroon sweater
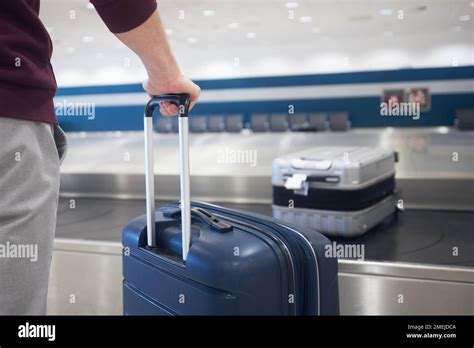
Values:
[(27, 83)]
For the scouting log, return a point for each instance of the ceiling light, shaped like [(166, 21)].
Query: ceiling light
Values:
[(251, 35), (87, 39), (208, 13), (233, 25), (169, 31), (292, 4), (191, 40), (442, 130), (465, 18), (306, 19), (386, 12)]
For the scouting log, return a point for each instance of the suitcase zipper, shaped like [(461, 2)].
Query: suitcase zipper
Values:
[(306, 241), (286, 252), (315, 258)]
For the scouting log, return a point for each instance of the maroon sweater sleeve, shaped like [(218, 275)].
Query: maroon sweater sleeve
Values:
[(121, 16)]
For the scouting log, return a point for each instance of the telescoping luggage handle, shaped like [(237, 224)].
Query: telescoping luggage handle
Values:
[(183, 101)]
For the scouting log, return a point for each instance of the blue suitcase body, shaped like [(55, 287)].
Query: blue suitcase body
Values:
[(235, 263), (261, 267)]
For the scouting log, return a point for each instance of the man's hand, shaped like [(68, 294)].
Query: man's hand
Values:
[(149, 42), (179, 84)]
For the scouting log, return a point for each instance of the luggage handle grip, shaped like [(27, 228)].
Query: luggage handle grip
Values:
[(183, 101)]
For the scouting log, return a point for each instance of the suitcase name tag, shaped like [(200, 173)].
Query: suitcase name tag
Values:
[(298, 183)]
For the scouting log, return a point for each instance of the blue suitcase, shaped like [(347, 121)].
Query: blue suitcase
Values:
[(195, 258)]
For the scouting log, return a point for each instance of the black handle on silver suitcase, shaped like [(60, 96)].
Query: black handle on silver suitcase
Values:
[(183, 101)]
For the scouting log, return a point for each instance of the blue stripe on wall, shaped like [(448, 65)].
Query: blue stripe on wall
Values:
[(363, 112), (345, 78), (428, 74)]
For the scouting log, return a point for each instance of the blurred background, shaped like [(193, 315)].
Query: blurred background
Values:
[(276, 77), (268, 38)]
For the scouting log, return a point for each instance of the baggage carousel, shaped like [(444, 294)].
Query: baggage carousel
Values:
[(415, 236), (419, 261)]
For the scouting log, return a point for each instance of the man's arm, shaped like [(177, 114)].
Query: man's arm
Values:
[(138, 25), (149, 42)]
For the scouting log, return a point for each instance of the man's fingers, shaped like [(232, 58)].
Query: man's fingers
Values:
[(168, 109), (181, 85), (146, 87), (164, 110), (196, 96), (172, 108)]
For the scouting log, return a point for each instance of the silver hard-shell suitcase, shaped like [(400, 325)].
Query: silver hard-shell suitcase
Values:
[(339, 191)]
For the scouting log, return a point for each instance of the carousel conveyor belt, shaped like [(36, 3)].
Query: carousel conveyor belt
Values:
[(415, 236)]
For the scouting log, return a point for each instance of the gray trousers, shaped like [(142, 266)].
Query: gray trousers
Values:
[(29, 188)]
